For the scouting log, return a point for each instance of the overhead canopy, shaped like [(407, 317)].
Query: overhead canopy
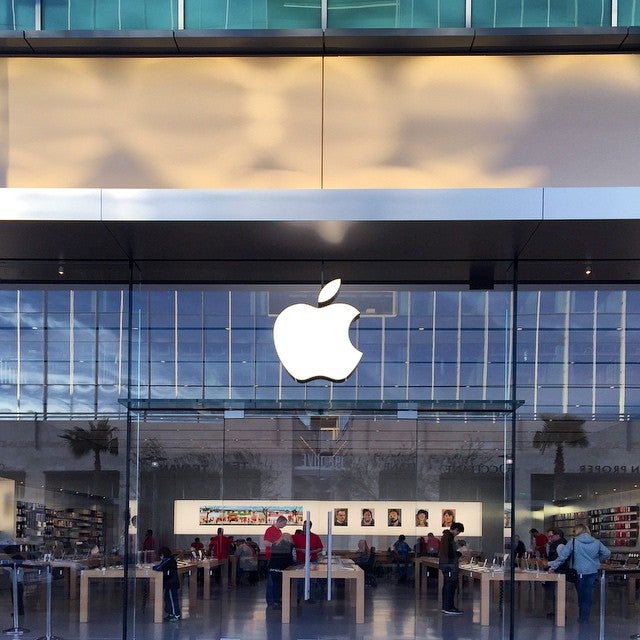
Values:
[(297, 236), (400, 408)]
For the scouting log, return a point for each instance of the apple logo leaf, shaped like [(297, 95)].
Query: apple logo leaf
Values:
[(329, 292)]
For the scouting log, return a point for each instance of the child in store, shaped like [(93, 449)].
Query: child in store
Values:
[(170, 583)]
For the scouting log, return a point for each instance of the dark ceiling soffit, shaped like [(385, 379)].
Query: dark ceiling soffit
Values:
[(317, 42)]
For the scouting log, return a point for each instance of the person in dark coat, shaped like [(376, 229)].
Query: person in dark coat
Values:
[(448, 562), (556, 543), (170, 583), (281, 558)]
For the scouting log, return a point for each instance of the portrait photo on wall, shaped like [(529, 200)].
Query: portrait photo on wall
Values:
[(448, 517), (340, 517), (368, 519), (422, 518), (394, 517)]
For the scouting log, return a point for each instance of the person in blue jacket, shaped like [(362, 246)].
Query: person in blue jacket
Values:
[(588, 553), (170, 583)]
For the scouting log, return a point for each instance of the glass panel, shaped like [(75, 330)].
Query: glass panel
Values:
[(541, 13), (628, 13), (110, 14), (17, 14), (393, 14), (254, 14), (578, 359), (572, 349), (369, 478)]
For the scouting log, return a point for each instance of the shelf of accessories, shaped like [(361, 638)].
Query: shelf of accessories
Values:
[(614, 526), (71, 526), (30, 519), (74, 526)]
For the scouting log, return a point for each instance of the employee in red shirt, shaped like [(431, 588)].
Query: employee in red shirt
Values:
[(539, 543), (271, 536), (300, 543), (220, 545), (315, 547), (197, 546)]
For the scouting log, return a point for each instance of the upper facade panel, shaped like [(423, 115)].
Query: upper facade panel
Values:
[(312, 14), (304, 122)]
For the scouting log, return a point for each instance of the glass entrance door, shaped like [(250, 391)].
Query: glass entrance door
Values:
[(367, 482)]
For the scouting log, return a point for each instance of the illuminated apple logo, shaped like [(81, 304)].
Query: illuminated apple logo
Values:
[(313, 342)]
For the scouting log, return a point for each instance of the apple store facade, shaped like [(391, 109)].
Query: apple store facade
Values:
[(488, 258), (512, 402)]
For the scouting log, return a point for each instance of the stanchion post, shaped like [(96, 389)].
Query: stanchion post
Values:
[(307, 560), (16, 630), (48, 635), (603, 578), (329, 552)]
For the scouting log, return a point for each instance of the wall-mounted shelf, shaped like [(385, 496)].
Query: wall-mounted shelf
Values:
[(614, 526)]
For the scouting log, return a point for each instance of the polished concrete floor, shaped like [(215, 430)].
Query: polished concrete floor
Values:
[(393, 611)]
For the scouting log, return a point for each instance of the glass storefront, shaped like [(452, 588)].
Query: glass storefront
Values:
[(166, 408), (65, 350)]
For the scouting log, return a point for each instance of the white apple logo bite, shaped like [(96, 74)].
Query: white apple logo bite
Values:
[(313, 342)]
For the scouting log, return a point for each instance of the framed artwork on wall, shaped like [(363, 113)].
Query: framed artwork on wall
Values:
[(368, 518), (341, 517)]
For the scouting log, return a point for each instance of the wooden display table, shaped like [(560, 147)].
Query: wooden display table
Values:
[(145, 572), (343, 569), (208, 565), (487, 577), (420, 566), (72, 568), (630, 574)]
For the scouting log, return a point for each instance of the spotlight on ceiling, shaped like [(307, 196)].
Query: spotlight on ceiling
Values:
[(60, 269), (587, 270)]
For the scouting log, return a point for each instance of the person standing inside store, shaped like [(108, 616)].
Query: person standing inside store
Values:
[(400, 552), (433, 545), (254, 546), (220, 545), (420, 547), (363, 553), (521, 549), (538, 543), (170, 583), (556, 543), (271, 536), (448, 562), (465, 554), (197, 548), (588, 553), (149, 547), (247, 562), (281, 558)]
